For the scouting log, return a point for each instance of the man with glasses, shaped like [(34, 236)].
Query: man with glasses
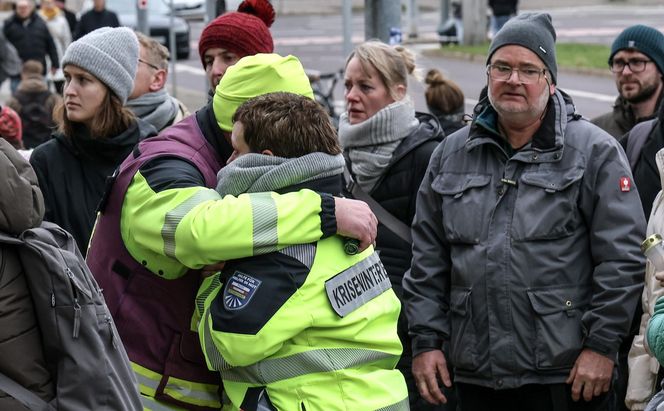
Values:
[(637, 64), (149, 99), (526, 260)]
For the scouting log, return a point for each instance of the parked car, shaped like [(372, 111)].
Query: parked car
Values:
[(195, 9), (159, 23)]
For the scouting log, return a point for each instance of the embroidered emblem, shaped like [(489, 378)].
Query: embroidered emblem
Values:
[(543, 50), (625, 184), (239, 290)]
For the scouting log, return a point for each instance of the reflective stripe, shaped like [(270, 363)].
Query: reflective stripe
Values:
[(205, 395), (303, 253), (173, 218), (399, 406), (309, 362), (148, 380), (264, 212), (213, 355), (203, 295), (150, 404)]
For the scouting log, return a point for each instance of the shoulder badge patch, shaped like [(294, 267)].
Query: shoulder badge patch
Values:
[(356, 286), (625, 184), (239, 290)]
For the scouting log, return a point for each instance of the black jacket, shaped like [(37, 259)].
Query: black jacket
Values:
[(92, 20), (31, 39), (396, 191), (646, 174), (72, 175)]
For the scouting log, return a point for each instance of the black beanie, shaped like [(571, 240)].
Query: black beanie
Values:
[(533, 31), (644, 39)]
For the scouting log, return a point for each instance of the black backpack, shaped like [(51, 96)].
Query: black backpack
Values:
[(37, 119), (82, 349)]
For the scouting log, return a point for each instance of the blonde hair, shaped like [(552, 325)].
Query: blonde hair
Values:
[(157, 54), (393, 63), (442, 94)]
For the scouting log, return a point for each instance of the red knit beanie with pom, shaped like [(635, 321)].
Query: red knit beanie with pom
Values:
[(244, 32)]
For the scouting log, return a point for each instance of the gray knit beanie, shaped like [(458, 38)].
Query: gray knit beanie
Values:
[(644, 39), (533, 31), (110, 54)]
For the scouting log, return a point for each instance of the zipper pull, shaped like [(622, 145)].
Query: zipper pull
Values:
[(77, 318), (52, 299), (110, 329)]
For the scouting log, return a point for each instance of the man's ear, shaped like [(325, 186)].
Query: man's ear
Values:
[(158, 80), (552, 89), (267, 153)]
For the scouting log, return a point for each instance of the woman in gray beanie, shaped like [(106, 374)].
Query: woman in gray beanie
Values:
[(95, 132)]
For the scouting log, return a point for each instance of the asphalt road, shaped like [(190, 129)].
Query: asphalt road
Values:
[(317, 41)]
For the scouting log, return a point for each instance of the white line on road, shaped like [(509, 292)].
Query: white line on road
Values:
[(574, 93)]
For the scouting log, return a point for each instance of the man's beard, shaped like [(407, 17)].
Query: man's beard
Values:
[(645, 94)]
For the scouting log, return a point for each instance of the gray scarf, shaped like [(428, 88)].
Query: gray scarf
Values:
[(157, 108), (371, 143), (256, 173)]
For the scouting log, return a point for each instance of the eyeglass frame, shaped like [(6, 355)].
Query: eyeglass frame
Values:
[(629, 63), (540, 72), (147, 63)]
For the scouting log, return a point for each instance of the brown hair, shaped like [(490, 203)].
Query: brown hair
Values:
[(32, 68), (442, 94), (393, 63), (111, 119), (289, 125), (157, 54)]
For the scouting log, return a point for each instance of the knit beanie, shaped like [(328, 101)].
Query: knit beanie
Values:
[(244, 32), (109, 54), (11, 128), (256, 75), (533, 31), (644, 39)]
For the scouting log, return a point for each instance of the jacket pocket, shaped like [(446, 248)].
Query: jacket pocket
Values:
[(559, 330), (463, 340), (546, 205), (463, 205)]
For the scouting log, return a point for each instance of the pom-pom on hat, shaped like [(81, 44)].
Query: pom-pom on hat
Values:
[(109, 54), (644, 39), (256, 75), (244, 32)]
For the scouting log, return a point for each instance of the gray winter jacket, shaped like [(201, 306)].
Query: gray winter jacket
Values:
[(520, 263)]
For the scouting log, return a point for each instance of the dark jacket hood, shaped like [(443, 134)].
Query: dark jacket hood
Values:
[(21, 202)]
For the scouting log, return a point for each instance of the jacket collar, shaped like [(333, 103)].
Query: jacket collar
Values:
[(212, 133), (548, 140)]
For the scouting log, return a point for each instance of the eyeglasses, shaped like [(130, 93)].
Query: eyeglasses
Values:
[(148, 64), (528, 75), (635, 65)]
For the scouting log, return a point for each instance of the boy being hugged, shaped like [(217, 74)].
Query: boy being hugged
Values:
[(308, 326)]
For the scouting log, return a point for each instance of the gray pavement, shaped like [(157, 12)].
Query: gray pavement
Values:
[(311, 30)]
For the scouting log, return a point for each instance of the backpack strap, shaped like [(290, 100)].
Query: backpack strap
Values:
[(636, 139), (23, 395), (386, 218)]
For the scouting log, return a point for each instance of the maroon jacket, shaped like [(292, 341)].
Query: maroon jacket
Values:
[(153, 315)]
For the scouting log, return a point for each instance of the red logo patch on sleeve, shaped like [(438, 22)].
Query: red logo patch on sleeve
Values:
[(625, 184)]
